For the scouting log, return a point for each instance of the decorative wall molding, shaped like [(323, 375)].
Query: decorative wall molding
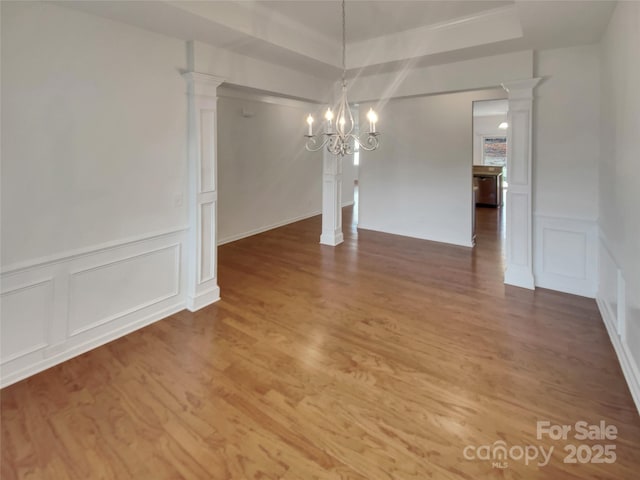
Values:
[(628, 365), (31, 334), (66, 256), (612, 303), (65, 306), (151, 277), (566, 254)]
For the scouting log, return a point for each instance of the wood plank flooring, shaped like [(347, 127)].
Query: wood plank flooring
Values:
[(382, 358)]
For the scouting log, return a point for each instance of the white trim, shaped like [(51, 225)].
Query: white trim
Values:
[(256, 231), (252, 95), (519, 209), (570, 265), (331, 199), (203, 299), (627, 363), (519, 276), (605, 243), (203, 83), (45, 363), (175, 247), (80, 252), (447, 241), (331, 239), (202, 253), (521, 89), (63, 342), (566, 217)]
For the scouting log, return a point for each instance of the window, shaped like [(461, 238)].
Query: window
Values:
[(494, 151)]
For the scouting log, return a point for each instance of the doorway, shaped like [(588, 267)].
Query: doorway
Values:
[(489, 165)]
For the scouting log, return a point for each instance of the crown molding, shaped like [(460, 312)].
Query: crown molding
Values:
[(203, 83), (521, 89)]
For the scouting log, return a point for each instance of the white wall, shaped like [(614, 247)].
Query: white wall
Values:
[(484, 126), (93, 182), (619, 220), (266, 178), (565, 149), (89, 131), (418, 183), (566, 137)]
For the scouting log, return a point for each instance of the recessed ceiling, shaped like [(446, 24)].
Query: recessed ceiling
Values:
[(382, 35), (370, 19)]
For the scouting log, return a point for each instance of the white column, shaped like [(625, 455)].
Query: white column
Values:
[(331, 200), (202, 245), (519, 231)]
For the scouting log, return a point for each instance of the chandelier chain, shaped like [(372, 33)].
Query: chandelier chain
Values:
[(344, 42)]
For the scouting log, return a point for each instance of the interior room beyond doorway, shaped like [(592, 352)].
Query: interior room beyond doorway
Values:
[(490, 176)]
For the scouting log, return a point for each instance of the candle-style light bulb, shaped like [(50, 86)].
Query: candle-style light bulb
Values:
[(373, 118), (328, 116), (310, 122)]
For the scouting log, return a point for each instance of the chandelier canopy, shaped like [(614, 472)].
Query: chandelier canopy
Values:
[(339, 137)]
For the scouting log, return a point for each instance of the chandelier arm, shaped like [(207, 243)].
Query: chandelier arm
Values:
[(313, 145), (370, 144)]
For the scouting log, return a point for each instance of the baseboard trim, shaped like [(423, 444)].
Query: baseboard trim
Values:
[(519, 277), (627, 363), (13, 377), (564, 287), (364, 226), (203, 299), (331, 239), (250, 233), (256, 231)]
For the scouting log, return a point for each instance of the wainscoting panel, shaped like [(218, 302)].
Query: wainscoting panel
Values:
[(565, 255), (207, 265), (133, 283), (612, 303), (33, 303), (64, 306), (608, 284)]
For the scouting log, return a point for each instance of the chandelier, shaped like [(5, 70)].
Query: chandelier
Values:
[(338, 136)]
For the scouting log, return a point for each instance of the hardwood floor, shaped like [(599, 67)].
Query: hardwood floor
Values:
[(382, 358)]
